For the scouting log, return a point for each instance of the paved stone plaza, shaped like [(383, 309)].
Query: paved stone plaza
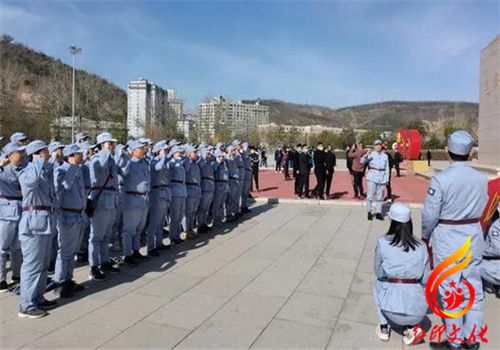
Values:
[(290, 276)]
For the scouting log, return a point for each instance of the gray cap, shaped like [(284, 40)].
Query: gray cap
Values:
[(218, 153), (235, 142), (377, 142), (400, 212), (460, 142), (18, 136), (35, 146), (81, 136), (105, 137), (85, 145), (12, 147), (135, 144), (189, 148), (71, 149), (173, 142), (55, 145), (159, 146), (244, 145)]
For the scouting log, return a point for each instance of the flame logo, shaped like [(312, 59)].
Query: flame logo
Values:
[(454, 296)]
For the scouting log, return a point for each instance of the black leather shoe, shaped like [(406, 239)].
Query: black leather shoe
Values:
[(129, 260), (444, 345), (77, 287), (109, 267), (96, 274), (64, 290), (177, 241), (163, 247), (370, 216), (471, 346), (47, 304), (153, 253), (379, 217), (139, 256)]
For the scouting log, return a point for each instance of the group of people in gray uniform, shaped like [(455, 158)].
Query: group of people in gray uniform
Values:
[(58, 199), (455, 202)]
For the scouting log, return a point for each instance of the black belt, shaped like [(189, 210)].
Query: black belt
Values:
[(234, 178), (377, 169), (400, 280), (207, 178), (491, 257), (37, 207), (177, 181), (160, 186), (103, 188), (220, 180), (137, 193), (11, 198), (459, 222), (192, 183), (78, 211)]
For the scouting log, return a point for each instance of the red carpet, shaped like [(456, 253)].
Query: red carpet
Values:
[(407, 188)]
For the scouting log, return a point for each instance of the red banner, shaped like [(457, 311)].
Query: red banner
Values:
[(408, 141), (493, 200)]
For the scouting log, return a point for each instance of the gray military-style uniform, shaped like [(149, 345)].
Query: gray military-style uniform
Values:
[(159, 201), (490, 266), (456, 194), (193, 181), (35, 230), (403, 304), (232, 199), (10, 214), (71, 197), (207, 190), (221, 175), (136, 186), (377, 177), (102, 166), (177, 175)]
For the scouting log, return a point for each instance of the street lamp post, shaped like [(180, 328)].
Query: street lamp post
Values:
[(73, 50)]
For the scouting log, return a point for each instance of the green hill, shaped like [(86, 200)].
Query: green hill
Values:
[(35, 89), (383, 116)]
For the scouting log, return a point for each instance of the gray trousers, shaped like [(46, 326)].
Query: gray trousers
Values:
[(134, 221), (247, 185), (9, 244), (218, 206), (192, 204), (375, 193), (177, 211), (36, 258), (232, 199), (158, 211), (70, 227), (204, 208), (101, 226)]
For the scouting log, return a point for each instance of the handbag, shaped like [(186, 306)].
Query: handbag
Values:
[(92, 203)]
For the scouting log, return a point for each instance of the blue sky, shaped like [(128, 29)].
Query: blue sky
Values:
[(318, 52)]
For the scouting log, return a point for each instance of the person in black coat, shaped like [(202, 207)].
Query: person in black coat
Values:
[(278, 157), (294, 157), (330, 162), (305, 164), (319, 170)]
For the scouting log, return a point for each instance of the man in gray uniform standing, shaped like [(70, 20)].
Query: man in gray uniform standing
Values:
[(377, 178), (455, 201)]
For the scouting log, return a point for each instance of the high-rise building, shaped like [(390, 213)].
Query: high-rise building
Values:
[(239, 118), (149, 105)]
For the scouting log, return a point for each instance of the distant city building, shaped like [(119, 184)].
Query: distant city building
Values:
[(186, 126), (305, 130), (60, 128), (149, 106), (175, 104), (237, 117)]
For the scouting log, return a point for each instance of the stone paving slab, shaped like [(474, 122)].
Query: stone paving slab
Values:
[(290, 276)]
